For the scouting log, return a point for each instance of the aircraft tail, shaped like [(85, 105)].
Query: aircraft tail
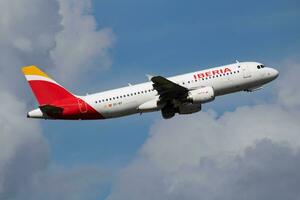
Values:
[(45, 89)]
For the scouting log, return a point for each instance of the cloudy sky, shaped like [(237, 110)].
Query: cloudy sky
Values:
[(242, 146)]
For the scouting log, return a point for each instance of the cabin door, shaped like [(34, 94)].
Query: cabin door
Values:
[(82, 106)]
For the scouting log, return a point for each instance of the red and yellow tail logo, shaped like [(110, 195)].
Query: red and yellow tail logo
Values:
[(45, 89)]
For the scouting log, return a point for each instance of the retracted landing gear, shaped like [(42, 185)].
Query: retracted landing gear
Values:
[(168, 111)]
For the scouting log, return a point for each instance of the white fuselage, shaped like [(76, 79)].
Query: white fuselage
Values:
[(224, 79)]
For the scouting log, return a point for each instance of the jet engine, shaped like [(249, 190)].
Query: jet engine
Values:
[(201, 95)]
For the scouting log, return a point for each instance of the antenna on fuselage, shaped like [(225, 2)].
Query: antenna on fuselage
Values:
[(237, 61)]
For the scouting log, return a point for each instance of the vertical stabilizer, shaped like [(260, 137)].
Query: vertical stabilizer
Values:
[(45, 89)]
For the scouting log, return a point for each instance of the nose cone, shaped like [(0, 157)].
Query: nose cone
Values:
[(272, 74)]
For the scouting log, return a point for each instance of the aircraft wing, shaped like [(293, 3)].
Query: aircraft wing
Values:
[(168, 90)]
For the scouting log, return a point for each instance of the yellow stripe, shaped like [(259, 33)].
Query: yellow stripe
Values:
[(33, 70)]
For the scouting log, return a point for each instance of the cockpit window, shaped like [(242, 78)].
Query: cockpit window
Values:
[(260, 66)]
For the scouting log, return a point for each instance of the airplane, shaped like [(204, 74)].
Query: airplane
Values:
[(182, 94)]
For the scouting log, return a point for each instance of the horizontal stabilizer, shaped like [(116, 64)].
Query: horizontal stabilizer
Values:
[(52, 111)]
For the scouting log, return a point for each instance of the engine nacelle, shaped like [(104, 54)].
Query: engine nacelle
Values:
[(189, 108), (202, 95)]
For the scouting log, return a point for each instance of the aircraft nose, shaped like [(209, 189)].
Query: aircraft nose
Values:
[(274, 73)]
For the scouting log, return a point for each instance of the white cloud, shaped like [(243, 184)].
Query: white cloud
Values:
[(80, 182), (29, 25), (30, 30), (266, 171), (288, 90), (250, 153), (23, 149), (80, 46), (184, 140)]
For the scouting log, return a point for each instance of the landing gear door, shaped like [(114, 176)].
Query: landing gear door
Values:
[(246, 72)]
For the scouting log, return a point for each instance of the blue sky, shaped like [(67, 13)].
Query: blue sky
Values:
[(167, 38)]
